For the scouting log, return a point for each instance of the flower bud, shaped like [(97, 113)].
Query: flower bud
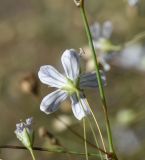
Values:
[(25, 133)]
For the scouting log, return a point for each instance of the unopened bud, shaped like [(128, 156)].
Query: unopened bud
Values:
[(25, 133)]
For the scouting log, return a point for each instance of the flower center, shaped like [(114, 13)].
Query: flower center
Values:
[(71, 86), (107, 46)]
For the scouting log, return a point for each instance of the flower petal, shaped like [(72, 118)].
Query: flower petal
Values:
[(133, 3), (89, 80), (71, 63), (96, 31), (50, 76), (107, 29), (79, 108), (51, 102)]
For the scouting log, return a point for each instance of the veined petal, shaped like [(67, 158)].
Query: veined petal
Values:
[(71, 64), (79, 108), (50, 76), (51, 102), (89, 80)]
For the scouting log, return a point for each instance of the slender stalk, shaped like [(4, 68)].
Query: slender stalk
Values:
[(95, 120), (59, 150), (100, 84), (135, 39), (78, 135), (97, 125), (85, 138), (32, 154), (95, 138)]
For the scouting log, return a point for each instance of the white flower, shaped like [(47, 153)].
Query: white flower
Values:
[(102, 43), (131, 57), (102, 34), (133, 2), (69, 85), (24, 132), (101, 37)]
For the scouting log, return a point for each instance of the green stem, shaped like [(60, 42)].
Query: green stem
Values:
[(32, 154), (79, 136), (85, 138), (100, 84), (95, 138), (49, 150), (135, 39), (79, 99)]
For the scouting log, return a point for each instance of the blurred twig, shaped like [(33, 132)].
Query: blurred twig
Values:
[(135, 39), (59, 150)]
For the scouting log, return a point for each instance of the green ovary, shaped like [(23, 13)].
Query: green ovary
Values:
[(107, 46), (71, 87)]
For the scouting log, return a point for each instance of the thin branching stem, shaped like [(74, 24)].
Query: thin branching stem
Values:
[(59, 150), (79, 136), (95, 138), (97, 125), (32, 154), (135, 39), (95, 120), (85, 138)]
